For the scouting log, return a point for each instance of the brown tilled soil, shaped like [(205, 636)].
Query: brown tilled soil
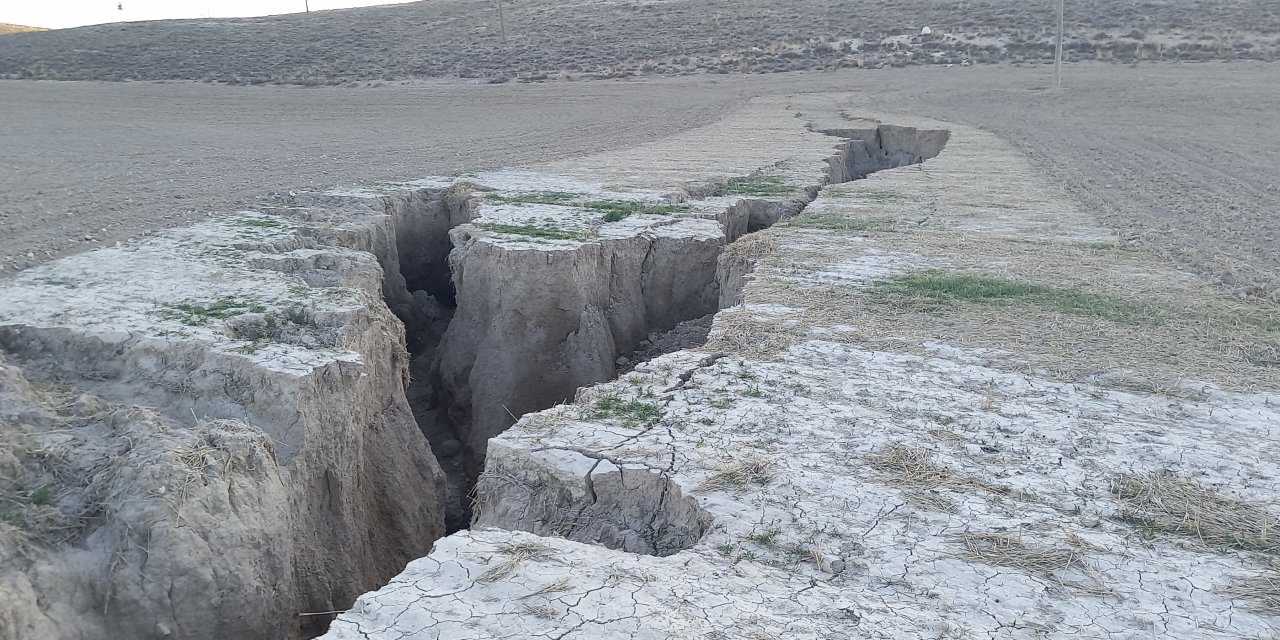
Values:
[(579, 39), (1184, 158)]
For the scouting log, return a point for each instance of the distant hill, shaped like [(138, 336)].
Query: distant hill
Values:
[(5, 27), (548, 39)]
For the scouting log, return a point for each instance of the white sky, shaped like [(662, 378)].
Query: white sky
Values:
[(57, 14)]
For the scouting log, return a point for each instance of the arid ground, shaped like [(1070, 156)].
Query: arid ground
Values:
[(1184, 158)]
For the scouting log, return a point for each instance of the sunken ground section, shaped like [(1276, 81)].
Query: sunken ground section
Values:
[(569, 39), (937, 389), (227, 419), (948, 405)]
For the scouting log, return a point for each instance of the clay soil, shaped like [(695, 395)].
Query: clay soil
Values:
[(1181, 158), (549, 39)]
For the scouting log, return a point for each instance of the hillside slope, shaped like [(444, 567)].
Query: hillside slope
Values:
[(572, 38), (5, 27)]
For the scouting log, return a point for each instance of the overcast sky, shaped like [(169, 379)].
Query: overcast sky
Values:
[(57, 14)]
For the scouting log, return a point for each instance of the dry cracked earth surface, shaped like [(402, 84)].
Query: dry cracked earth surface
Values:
[(931, 396)]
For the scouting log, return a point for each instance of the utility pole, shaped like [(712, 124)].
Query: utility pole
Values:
[(307, 4), (502, 24), (1057, 56)]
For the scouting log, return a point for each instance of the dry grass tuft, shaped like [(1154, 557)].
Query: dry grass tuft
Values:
[(914, 469), (516, 553), (196, 461), (741, 331), (751, 247), (1163, 502), (1049, 562), (500, 481), (947, 436), (550, 419), (554, 587), (1263, 589), (739, 476), (546, 612)]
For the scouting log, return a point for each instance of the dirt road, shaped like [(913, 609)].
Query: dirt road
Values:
[(1182, 158)]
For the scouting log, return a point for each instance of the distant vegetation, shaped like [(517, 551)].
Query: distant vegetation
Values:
[(568, 39)]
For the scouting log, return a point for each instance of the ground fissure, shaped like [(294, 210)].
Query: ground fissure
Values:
[(919, 415), (281, 392), (501, 324)]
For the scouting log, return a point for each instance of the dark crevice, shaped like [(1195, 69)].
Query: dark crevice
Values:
[(420, 289)]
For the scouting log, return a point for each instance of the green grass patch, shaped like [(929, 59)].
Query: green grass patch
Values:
[(261, 223), (882, 196), (936, 289), (766, 538), (536, 197), (532, 231), (612, 406), (60, 282), (837, 222), (197, 313), (761, 186), (266, 331), (41, 497), (615, 210)]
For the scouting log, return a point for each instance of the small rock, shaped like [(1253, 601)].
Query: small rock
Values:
[(1070, 505), (1091, 521), (88, 405), (450, 448), (837, 566), (428, 305)]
